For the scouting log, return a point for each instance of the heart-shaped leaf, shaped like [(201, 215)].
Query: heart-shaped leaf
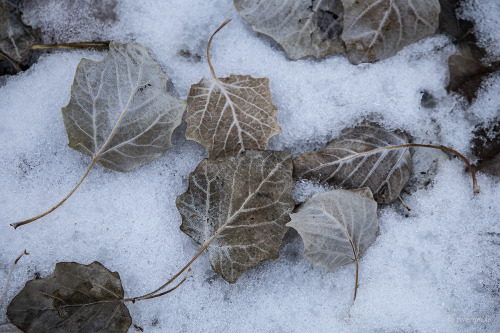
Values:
[(232, 114), (357, 158), (302, 27), (75, 298), (237, 208), (120, 112), (337, 227), (378, 29)]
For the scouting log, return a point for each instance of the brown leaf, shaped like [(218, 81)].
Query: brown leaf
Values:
[(353, 161), (75, 298), (378, 29), (239, 206), (15, 38), (229, 118), (302, 27)]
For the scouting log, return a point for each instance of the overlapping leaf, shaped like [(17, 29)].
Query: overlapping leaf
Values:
[(120, 112), (303, 28), (239, 206), (15, 38), (357, 158), (75, 298), (378, 29), (336, 226), (230, 115)]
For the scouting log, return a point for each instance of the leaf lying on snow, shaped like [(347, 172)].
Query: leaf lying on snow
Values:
[(75, 298), (302, 27), (229, 115), (378, 29), (120, 113), (337, 227), (237, 208), (352, 161), (467, 75), (15, 38)]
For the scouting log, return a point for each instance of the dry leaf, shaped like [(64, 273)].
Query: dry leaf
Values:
[(337, 227), (378, 29), (75, 298), (302, 27), (15, 38), (239, 207), (231, 114), (353, 161)]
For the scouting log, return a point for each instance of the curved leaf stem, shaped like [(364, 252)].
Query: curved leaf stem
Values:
[(10, 275), (18, 224), (208, 49)]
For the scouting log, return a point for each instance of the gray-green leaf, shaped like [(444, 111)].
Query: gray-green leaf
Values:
[(75, 298), (336, 226), (303, 28), (239, 205), (15, 38), (378, 29), (120, 112), (358, 158)]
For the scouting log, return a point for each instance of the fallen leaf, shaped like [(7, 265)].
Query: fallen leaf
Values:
[(120, 113), (354, 160), (75, 298), (377, 29), (467, 75), (15, 38), (232, 114), (337, 227), (486, 141), (303, 27), (237, 208)]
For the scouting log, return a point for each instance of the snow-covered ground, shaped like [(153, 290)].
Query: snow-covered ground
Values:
[(434, 269)]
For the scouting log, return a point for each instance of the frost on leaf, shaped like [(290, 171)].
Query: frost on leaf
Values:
[(120, 112), (75, 298), (378, 29), (15, 38), (357, 158), (336, 226), (302, 27), (230, 115), (239, 206)]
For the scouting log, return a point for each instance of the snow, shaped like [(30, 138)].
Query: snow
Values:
[(434, 269)]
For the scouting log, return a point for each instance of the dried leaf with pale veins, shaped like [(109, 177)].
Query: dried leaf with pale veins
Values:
[(239, 206), (356, 159), (120, 112), (75, 298), (232, 116), (337, 227), (302, 27), (378, 29), (15, 38)]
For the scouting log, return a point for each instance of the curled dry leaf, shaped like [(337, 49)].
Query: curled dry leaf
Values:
[(337, 227), (15, 38), (302, 27), (237, 208), (75, 298), (120, 112), (356, 159), (378, 29), (232, 114)]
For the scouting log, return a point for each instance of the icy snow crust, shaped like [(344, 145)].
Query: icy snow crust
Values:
[(434, 269)]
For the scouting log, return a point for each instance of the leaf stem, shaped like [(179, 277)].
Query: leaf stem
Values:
[(10, 275), (18, 224), (71, 46), (208, 49)]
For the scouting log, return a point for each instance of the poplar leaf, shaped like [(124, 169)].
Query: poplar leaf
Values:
[(303, 27), (75, 298), (237, 207), (358, 158), (15, 38), (120, 112), (378, 29)]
